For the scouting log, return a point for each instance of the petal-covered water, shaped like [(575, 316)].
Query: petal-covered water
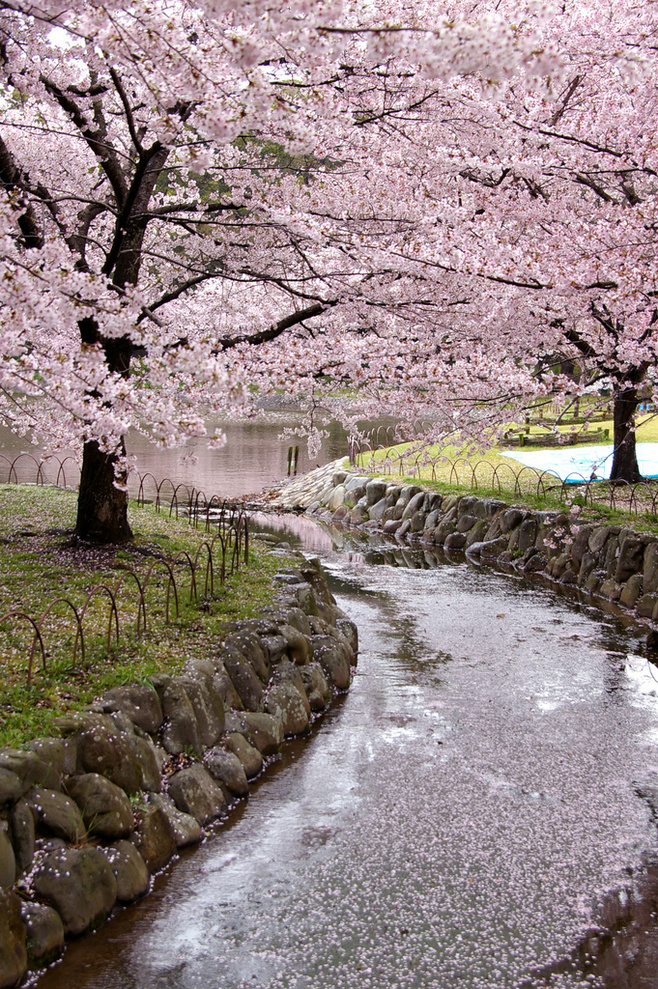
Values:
[(454, 823)]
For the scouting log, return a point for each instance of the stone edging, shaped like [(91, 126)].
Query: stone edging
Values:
[(88, 819), (607, 561)]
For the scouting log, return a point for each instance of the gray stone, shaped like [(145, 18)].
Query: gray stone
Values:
[(288, 672), (149, 760), (432, 519), (443, 530), (415, 504), (60, 754), (527, 534), (587, 564), (494, 530), (536, 563), (276, 646), (492, 548), (299, 620), (249, 756), (249, 644), (105, 750), (599, 538), (455, 541), (610, 589), (631, 557), (580, 544), (181, 730), (13, 957), (631, 591), (22, 835), (264, 731), (129, 870), (611, 555), (408, 492), (493, 507), (79, 884), (355, 481), (11, 787), (195, 792), (187, 830), (244, 679), (466, 522), (645, 605), (56, 813), (298, 645), (30, 768), (208, 709), (476, 533), (593, 581), (417, 522), (651, 568), (224, 685), (558, 564), (349, 631), (286, 702), (139, 702), (318, 691), (7, 860), (333, 658), (154, 837), (336, 498), (45, 933), (226, 767), (378, 510), (105, 807), (375, 491), (510, 519)]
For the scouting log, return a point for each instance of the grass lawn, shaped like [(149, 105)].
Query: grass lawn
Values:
[(452, 469), (39, 563)]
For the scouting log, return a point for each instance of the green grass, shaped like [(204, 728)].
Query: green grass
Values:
[(39, 562), (453, 470)]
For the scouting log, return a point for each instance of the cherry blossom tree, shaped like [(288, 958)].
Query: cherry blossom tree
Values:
[(533, 202), (420, 204), (141, 147)]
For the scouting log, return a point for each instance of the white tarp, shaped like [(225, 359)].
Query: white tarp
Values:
[(577, 463)]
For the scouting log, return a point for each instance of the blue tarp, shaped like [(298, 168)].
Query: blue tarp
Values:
[(578, 463)]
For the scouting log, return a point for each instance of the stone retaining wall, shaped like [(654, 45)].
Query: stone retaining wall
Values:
[(88, 818), (607, 561)]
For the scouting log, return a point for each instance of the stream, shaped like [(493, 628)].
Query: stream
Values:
[(465, 817)]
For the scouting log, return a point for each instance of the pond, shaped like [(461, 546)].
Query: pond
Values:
[(255, 456)]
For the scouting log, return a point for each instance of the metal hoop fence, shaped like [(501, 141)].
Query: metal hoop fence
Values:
[(218, 556)]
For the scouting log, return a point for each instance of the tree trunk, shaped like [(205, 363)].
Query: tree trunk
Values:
[(102, 506), (624, 458)]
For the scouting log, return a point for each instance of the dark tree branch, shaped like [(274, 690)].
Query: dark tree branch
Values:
[(276, 329), (96, 140), (12, 180)]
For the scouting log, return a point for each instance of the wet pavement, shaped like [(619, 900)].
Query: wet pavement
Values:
[(466, 817)]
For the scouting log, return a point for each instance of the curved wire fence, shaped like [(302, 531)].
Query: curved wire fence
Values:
[(132, 598), (508, 479)]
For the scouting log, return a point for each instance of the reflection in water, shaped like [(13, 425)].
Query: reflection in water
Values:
[(253, 458), (452, 825)]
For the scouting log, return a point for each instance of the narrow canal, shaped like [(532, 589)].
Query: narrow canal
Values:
[(458, 821)]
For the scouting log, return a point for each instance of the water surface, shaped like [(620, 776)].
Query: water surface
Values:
[(455, 822)]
